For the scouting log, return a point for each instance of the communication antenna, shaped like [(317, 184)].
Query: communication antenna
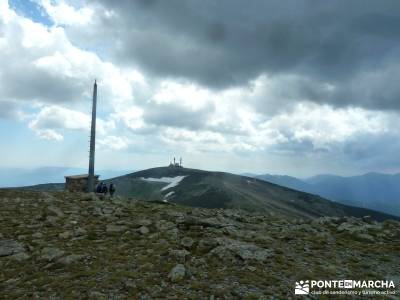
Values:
[(90, 186)]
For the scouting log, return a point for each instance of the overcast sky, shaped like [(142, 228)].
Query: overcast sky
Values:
[(286, 87)]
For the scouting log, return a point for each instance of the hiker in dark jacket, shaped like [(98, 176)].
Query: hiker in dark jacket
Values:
[(104, 190), (112, 189), (99, 188)]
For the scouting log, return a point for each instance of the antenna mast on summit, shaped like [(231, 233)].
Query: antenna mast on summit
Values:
[(90, 186)]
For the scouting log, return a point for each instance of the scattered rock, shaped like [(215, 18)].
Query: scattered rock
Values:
[(70, 259), (365, 237), (10, 247), (80, 231), (187, 242), (65, 235), (115, 228), (143, 222), (172, 234), (367, 219), (189, 221), (20, 256), (55, 210), (37, 235), (51, 221), (51, 253), (206, 245), (97, 296), (177, 273), (129, 284), (143, 230), (246, 251), (230, 254), (350, 228), (164, 225), (179, 255), (107, 210)]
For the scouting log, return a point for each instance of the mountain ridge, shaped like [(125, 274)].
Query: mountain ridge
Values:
[(372, 190), (202, 188), (211, 189)]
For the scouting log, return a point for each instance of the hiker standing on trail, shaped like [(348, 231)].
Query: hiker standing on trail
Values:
[(104, 189), (99, 188), (111, 189)]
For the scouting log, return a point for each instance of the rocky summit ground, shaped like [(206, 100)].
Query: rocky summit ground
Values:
[(75, 246)]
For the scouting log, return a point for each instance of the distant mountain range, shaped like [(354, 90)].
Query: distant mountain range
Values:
[(14, 177), (224, 190), (373, 190)]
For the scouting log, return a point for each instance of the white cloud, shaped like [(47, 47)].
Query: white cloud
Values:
[(63, 14), (324, 126), (113, 142), (60, 117), (5, 13), (186, 94), (51, 119), (49, 134)]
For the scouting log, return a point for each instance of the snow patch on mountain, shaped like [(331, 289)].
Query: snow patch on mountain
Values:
[(173, 181)]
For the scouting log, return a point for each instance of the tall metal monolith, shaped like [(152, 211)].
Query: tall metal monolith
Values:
[(90, 187)]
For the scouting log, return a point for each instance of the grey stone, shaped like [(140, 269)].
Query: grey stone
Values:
[(51, 221), (187, 242), (177, 273), (163, 225), (37, 235), (115, 228), (365, 237), (179, 255), (10, 247), (350, 228), (50, 253), (80, 231), (65, 235), (246, 251), (97, 296), (143, 230), (367, 219), (107, 210), (143, 222), (172, 233), (20, 256), (129, 284), (55, 210), (70, 259)]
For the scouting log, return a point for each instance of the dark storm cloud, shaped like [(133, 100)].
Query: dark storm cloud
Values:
[(174, 115), (9, 109), (227, 43), (26, 82)]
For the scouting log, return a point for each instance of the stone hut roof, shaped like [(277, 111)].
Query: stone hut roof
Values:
[(79, 176)]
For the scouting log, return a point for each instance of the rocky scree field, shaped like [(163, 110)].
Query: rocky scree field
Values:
[(61, 245)]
